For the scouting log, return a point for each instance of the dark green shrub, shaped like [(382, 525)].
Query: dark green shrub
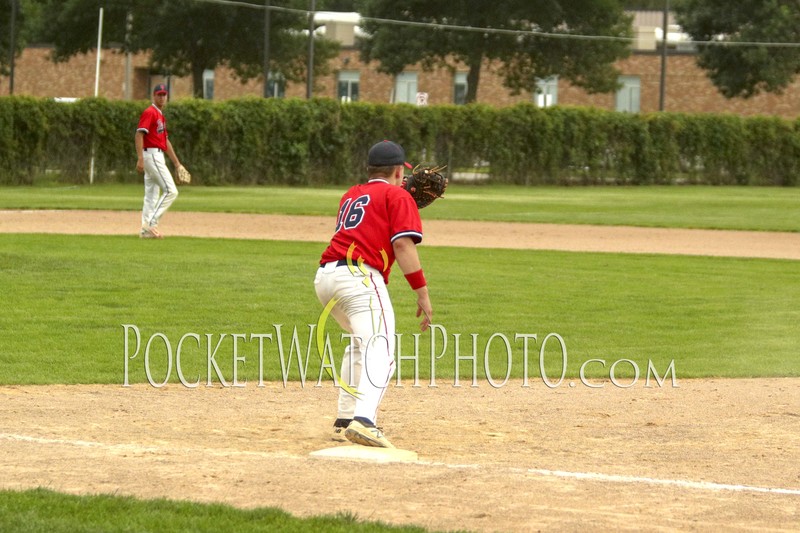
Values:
[(255, 141)]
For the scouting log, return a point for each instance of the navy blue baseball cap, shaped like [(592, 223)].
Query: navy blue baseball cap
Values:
[(387, 154), (160, 89)]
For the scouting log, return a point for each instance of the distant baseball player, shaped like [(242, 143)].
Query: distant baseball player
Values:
[(378, 223), (151, 144)]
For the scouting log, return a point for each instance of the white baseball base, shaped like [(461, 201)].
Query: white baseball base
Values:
[(367, 453)]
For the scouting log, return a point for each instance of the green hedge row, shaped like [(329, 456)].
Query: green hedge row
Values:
[(298, 142)]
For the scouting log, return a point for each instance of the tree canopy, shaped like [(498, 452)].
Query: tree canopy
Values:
[(646, 5), (523, 56), (20, 31), (186, 37), (744, 70)]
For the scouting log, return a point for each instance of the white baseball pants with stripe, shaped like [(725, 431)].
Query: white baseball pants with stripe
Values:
[(159, 188), (365, 311)]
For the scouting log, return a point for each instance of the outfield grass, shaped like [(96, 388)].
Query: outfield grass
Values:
[(741, 208), (42, 510), (67, 297)]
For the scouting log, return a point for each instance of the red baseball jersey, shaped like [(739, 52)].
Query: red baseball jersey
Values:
[(154, 126), (371, 217)]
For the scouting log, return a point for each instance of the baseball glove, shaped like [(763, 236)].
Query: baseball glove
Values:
[(425, 184), (184, 177)]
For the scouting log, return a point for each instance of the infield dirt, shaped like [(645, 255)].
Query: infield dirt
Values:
[(579, 238), (707, 455)]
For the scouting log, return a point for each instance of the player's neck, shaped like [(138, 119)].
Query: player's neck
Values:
[(394, 179)]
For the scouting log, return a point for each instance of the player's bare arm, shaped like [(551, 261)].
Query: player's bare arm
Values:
[(139, 140), (405, 251), (172, 155)]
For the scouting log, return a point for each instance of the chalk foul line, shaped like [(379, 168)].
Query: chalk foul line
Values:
[(587, 476)]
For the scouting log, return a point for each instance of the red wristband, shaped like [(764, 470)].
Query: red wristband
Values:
[(416, 279)]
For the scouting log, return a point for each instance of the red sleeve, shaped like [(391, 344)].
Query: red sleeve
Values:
[(404, 218), (145, 121)]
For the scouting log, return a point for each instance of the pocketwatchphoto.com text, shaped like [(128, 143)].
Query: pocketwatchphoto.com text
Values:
[(308, 356)]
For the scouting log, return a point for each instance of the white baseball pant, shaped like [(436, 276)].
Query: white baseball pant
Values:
[(159, 187), (364, 311)]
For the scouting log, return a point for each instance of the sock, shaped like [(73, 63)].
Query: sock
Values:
[(341, 423)]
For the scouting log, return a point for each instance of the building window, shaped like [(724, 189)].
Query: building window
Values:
[(348, 86), (276, 85), (405, 88), (208, 84), (628, 95), (460, 88), (546, 93)]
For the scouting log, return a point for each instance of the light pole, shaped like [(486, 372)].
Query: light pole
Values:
[(266, 48), (128, 56), (12, 45), (310, 73), (663, 86)]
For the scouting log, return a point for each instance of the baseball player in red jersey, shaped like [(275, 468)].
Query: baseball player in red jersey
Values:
[(378, 224), (151, 145)]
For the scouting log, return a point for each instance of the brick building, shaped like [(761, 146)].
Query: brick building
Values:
[(687, 88)]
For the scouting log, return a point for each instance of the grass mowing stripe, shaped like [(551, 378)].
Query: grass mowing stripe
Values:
[(67, 297), (742, 208), (45, 510)]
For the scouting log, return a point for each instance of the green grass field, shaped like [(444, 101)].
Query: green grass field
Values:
[(47, 511), (66, 298), (742, 208)]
